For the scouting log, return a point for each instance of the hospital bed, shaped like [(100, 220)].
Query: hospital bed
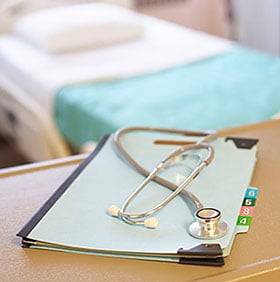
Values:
[(55, 96)]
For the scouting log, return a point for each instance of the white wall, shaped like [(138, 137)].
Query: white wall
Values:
[(257, 24), (204, 15)]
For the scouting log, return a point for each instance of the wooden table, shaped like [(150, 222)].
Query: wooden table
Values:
[(255, 256)]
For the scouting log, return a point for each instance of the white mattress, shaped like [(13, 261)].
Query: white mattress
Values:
[(163, 45)]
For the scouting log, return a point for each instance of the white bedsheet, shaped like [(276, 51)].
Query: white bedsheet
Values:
[(163, 45)]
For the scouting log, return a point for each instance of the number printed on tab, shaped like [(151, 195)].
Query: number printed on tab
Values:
[(251, 193), (244, 220), (249, 202)]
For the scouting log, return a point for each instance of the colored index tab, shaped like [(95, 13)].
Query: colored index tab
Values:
[(249, 202), (251, 193), (244, 220)]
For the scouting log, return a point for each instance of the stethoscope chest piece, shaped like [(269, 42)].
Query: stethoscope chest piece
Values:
[(208, 224)]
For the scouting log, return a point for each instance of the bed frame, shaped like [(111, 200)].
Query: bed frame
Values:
[(25, 124)]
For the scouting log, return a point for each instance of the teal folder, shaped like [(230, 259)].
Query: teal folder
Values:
[(76, 218)]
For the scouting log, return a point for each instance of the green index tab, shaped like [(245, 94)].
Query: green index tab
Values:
[(244, 220)]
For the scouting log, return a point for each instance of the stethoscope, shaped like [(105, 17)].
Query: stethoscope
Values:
[(208, 224)]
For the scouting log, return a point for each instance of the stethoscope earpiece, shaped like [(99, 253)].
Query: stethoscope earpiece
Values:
[(208, 224), (150, 222)]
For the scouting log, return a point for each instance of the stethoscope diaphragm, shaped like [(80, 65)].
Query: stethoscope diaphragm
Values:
[(208, 224)]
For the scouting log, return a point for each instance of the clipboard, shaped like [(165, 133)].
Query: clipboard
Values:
[(75, 218)]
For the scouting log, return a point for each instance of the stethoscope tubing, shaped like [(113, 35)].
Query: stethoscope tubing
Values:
[(178, 189), (156, 178)]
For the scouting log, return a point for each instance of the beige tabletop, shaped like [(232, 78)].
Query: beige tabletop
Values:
[(255, 255)]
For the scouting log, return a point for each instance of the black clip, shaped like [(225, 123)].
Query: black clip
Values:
[(243, 143), (204, 254)]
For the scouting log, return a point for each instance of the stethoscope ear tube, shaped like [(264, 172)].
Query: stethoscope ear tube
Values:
[(137, 218), (127, 157)]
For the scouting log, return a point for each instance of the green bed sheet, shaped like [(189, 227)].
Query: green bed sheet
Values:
[(238, 87)]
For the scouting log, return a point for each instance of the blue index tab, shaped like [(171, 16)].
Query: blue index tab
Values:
[(251, 193)]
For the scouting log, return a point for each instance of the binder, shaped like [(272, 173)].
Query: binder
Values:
[(75, 218)]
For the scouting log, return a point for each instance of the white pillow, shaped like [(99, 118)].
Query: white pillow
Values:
[(73, 28)]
